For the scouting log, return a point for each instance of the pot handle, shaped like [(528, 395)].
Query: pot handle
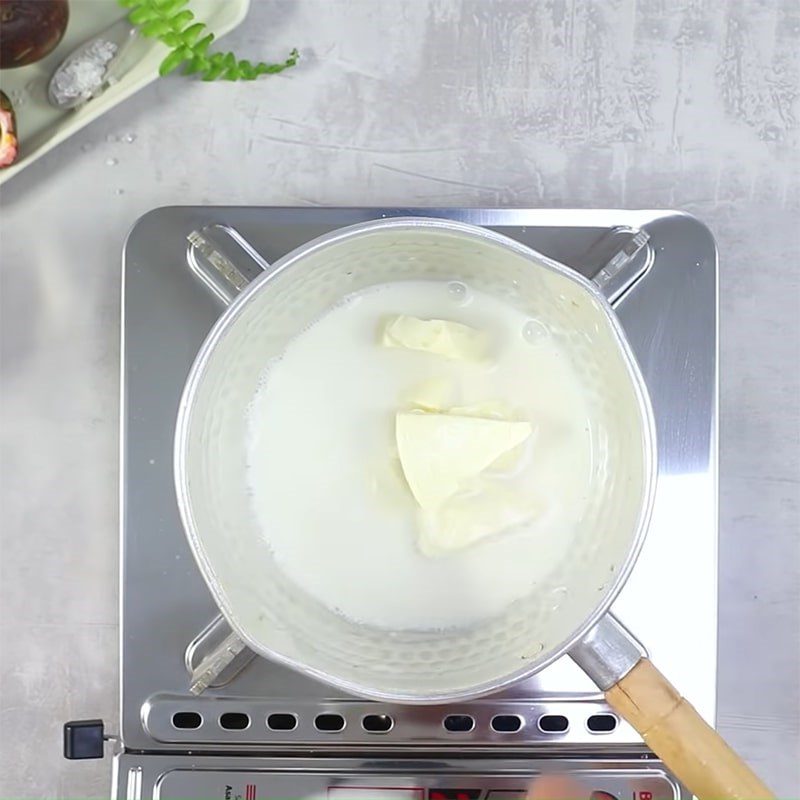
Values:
[(224, 260), (696, 754), (226, 263), (617, 261), (212, 666)]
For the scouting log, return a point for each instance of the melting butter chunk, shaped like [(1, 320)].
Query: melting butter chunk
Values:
[(439, 336), (440, 452), (495, 409), (488, 509), (488, 409), (433, 394)]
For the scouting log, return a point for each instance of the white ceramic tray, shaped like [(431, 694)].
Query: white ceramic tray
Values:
[(40, 126)]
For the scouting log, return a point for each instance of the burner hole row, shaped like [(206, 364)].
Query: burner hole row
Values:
[(383, 723)]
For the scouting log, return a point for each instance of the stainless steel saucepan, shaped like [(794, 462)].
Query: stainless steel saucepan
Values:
[(277, 620)]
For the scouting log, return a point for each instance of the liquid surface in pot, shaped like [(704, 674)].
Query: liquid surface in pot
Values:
[(328, 490)]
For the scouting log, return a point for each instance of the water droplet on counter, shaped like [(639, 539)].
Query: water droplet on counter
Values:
[(129, 138), (111, 162), (533, 331), (119, 192), (35, 90), (152, 461), (458, 291)]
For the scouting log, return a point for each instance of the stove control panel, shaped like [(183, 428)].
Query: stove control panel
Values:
[(190, 785), (312, 779)]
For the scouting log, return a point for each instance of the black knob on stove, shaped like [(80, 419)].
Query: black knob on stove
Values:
[(84, 738)]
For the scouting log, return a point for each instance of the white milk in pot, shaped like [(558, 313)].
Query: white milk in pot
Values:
[(420, 456)]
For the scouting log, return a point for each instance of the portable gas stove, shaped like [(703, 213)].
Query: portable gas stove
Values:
[(261, 731)]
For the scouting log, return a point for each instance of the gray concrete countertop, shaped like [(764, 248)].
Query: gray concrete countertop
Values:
[(683, 104)]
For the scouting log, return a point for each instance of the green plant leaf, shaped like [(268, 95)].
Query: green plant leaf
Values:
[(213, 72), (171, 39), (192, 33), (180, 20), (198, 63), (174, 60), (273, 69), (141, 15), (247, 72), (203, 44), (155, 29), (168, 21), (169, 7)]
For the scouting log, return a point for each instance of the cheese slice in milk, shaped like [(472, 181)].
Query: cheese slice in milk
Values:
[(433, 394), (487, 509), (438, 336), (440, 452)]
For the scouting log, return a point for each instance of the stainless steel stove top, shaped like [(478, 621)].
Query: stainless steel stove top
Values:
[(264, 712)]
